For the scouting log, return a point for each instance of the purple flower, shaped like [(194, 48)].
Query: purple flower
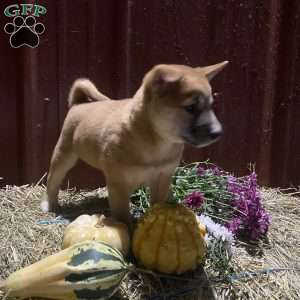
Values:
[(234, 225), (254, 220), (201, 171), (257, 222), (203, 168), (217, 171), (194, 200)]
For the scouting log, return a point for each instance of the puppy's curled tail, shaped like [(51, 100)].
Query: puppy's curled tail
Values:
[(83, 90)]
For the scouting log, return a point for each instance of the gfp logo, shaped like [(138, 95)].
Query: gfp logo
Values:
[(24, 30)]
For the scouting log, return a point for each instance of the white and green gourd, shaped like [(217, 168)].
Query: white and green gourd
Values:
[(87, 270)]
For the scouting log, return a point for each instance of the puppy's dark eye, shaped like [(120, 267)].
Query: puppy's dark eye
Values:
[(216, 94), (192, 108)]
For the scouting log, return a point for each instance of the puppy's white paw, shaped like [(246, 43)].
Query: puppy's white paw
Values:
[(45, 206), (48, 205)]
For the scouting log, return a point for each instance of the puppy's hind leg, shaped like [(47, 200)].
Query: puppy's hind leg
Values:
[(63, 159)]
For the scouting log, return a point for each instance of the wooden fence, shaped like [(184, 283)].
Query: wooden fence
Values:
[(114, 42)]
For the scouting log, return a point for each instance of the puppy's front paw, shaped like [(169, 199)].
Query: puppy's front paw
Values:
[(47, 206)]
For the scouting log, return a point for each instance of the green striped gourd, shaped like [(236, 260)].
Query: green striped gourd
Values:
[(87, 270)]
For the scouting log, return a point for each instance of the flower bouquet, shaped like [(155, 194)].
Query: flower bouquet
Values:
[(230, 207)]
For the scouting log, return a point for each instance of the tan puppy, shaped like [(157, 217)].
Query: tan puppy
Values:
[(136, 141)]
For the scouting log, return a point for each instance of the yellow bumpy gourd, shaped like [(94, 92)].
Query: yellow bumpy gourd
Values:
[(168, 239), (97, 228)]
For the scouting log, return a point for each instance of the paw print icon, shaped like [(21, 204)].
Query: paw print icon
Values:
[(24, 31)]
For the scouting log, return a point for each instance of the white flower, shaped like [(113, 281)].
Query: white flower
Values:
[(216, 231)]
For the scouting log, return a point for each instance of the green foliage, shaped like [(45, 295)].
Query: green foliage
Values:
[(187, 180), (219, 258)]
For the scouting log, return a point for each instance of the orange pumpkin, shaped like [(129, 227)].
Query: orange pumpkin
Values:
[(99, 228), (169, 239)]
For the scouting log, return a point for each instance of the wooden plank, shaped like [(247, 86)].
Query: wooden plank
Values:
[(10, 105), (75, 30), (40, 98), (286, 137)]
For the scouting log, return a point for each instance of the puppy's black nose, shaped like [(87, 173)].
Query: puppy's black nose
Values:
[(216, 134)]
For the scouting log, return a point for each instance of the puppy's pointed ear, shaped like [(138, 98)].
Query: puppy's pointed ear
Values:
[(166, 74), (164, 78), (211, 71)]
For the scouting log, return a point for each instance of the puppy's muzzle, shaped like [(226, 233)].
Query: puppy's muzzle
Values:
[(204, 135), (210, 131), (215, 133)]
